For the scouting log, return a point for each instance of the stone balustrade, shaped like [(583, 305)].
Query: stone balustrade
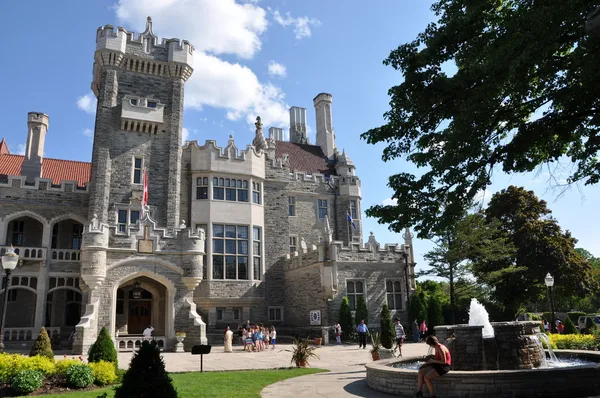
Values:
[(133, 342), (65, 255), (27, 253), (27, 333)]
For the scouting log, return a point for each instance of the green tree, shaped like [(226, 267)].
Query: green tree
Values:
[(346, 320), (146, 376), (570, 327), (42, 345), (541, 247), (472, 238), (103, 349), (362, 313), (388, 331), (418, 305), (435, 313), (508, 85)]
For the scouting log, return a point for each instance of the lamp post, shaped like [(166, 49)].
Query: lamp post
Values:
[(549, 280), (405, 254), (10, 259)]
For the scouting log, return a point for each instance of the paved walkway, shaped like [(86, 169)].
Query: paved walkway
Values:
[(346, 376)]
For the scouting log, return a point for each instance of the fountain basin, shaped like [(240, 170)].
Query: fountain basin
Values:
[(575, 381)]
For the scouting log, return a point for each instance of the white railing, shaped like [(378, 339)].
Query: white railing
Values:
[(133, 342), (26, 333), (27, 253), (65, 255)]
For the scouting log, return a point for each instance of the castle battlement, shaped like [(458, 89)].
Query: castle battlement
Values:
[(42, 184)]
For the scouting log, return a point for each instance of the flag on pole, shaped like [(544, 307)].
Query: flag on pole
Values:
[(350, 220), (145, 194)]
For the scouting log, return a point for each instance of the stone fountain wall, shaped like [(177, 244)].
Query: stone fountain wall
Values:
[(513, 346)]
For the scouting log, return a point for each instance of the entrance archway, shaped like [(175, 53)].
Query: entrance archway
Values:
[(141, 302)]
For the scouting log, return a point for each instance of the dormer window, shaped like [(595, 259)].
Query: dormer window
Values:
[(152, 104)]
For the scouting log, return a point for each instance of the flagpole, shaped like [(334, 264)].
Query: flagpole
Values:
[(349, 232)]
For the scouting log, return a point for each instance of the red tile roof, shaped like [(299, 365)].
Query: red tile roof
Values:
[(4, 148), (57, 170), (304, 157)]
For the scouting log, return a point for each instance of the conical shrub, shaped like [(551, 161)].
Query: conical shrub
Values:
[(42, 345), (103, 349), (570, 327), (146, 376)]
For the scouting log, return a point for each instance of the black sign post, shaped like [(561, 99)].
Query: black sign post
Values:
[(201, 350)]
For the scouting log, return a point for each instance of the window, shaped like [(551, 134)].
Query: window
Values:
[(291, 206), (394, 295), (133, 101), (76, 240), (219, 314), (138, 164), (17, 234), (230, 189), (322, 208), (256, 192), (202, 188), (123, 215), (12, 295), (230, 251), (353, 209), (293, 244), (354, 290), (54, 243), (236, 314), (256, 250), (275, 313), (120, 302), (152, 104)]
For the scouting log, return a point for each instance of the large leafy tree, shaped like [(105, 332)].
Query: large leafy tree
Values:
[(524, 93), (541, 247), (473, 238)]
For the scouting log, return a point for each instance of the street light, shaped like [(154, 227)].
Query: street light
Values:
[(549, 280), (10, 259), (405, 254)]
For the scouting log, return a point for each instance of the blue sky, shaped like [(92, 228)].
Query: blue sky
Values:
[(253, 58)]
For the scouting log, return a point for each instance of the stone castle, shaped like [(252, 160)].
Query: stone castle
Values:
[(271, 233)]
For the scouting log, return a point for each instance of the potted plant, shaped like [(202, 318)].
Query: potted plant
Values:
[(302, 352), (317, 340), (376, 344)]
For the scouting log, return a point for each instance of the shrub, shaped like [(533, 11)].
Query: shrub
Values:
[(104, 372), (575, 316), (362, 313), (435, 313), (42, 345), (387, 327), (103, 349), (27, 381), (573, 341), (42, 364), (79, 376), (146, 376), (346, 320), (64, 364), (570, 327), (9, 366)]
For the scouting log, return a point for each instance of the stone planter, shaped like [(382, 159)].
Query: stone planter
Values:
[(179, 345)]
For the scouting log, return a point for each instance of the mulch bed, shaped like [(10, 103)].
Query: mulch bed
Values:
[(51, 386)]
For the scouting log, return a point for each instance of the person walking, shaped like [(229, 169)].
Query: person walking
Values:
[(400, 336), (415, 331), (423, 329), (362, 330), (338, 333)]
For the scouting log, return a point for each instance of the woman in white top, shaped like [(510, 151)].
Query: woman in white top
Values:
[(273, 336)]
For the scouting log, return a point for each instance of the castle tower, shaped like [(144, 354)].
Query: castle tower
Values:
[(139, 83), (298, 125), (37, 126), (275, 133), (325, 134)]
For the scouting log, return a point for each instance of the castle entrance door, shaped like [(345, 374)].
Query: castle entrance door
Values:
[(140, 315)]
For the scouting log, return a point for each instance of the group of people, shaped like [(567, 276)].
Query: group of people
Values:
[(560, 327), (252, 337)]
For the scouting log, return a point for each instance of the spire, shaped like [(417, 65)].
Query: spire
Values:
[(259, 140), (148, 31), (148, 37), (4, 147)]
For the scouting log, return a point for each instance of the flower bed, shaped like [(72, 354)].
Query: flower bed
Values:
[(23, 375), (574, 341)]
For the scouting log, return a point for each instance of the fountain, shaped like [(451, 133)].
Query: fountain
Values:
[(491, 359)]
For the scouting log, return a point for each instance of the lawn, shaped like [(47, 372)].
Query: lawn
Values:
[(241, 383)]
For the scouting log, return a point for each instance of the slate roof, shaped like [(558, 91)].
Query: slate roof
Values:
[(57, 170), (304, 157)]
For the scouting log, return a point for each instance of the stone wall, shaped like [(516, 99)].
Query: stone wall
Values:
[(305, 293)]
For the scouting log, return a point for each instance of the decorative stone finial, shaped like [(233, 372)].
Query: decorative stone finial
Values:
[(328, 231), (372, 242), (95, 221), (258, 124), (259, 140), (182, 224), (148, 26)]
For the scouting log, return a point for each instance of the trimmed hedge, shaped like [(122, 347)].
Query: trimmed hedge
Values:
[(42, 345), (103, 349), (104, 373), (79, 376), (573, 341), (27, 381), (575, 316)]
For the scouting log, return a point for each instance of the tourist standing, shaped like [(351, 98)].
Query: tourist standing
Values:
[(147, 333), (560, 327), (228, 340), (338, 333), (415, 331), (273, 336), (362, 330), (423, 329), (400, 335), (433, 368)]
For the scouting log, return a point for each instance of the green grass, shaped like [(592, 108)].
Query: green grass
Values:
[(239, 383)]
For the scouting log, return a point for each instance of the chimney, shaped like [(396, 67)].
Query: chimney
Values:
[(325, 134), (275, 134), (37, 126), (298, 125)]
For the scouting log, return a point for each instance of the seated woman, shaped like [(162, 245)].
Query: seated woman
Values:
[(433, 368)]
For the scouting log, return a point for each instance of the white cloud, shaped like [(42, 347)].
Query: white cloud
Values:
[(21, 149), (89, 133), (185, 134), (276, 69), (302, 25), (216, 27), (87, 103), (220, 27), (389, 202)]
